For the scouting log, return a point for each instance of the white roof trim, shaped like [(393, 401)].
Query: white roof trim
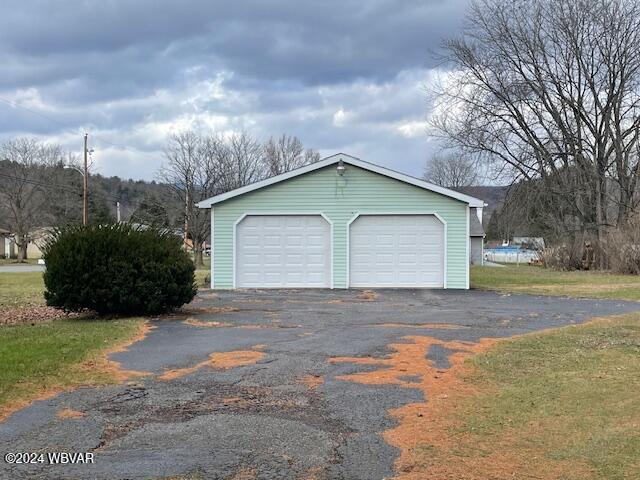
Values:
[(349, 160)]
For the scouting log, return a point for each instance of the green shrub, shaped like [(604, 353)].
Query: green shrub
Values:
[(117, 270)]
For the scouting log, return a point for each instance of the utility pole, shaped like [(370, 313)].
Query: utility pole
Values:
[(186, 220), (85, 184)]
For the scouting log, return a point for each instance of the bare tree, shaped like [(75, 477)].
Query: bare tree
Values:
[(286, 153), (451, 170), (237, 160), (188, 173), (551, 95), (203, 165), (25, 182)]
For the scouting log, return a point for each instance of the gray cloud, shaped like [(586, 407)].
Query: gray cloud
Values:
[(342, 75)]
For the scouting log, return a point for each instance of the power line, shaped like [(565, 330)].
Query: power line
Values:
[(67, 188), (15, 104)]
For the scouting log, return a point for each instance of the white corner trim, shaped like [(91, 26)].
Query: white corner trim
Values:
[(349, 160), (404, 212), (278, 213), (468, 248), (211, 257)]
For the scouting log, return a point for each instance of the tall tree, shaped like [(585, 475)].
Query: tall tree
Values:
[(451, 170), (236, 160), (188, 173), (25, 186), (286, 153), (552, 95), (203, 165)]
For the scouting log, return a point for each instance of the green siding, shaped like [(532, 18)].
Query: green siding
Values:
[(340, 198)]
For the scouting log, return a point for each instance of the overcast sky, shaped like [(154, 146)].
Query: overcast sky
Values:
[(341, 75)]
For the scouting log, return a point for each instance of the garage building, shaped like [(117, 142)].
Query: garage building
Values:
[(339, 223)]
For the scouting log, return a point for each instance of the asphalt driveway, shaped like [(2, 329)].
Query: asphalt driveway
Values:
[(269, 404)]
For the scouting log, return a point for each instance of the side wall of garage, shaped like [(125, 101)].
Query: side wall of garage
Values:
[(340, 198)]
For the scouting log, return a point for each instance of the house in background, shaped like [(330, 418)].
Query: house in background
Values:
[(339, 223), (37, 237), (476, 237), (5, 244), (532, 243)]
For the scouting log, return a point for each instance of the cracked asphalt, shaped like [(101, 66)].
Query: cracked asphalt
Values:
[(266, 420)]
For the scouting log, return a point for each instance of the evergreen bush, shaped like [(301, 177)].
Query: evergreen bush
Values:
[(117, 270)]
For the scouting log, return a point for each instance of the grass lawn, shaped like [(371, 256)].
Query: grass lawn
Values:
[(13, 261), (203, 273), (541, 281), (21, 289), (558, 404), (52, 356)]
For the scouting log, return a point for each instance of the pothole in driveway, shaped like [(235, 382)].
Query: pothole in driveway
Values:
[(218, 398)]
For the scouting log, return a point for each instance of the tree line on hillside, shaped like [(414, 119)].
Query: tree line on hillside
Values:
[(552, 100), (40, 187)]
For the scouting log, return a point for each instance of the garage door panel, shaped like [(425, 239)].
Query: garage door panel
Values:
[(294, 240), (283, 251), (383, 259), (396, 251), (408, 259)]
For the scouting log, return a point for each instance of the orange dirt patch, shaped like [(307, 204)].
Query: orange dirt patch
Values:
[(363, 296), (100, 364), (199, 323), (68, 413), (245, 473), (426, 431), (314, 473), (220, 360), (435, 326), (253, 326), (114, 368), (368, 295), (252, 300), (208, 296), (223, 309), (272, 315), (311, 381)]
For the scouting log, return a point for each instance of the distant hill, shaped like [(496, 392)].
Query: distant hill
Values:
[(62, 201), (493, 196), (130, 193)]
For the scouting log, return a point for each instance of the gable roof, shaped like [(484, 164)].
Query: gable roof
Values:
[(348, 160), (475, 227)]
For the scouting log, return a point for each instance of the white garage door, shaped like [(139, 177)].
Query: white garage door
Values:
[(396, 251), (276, 251)]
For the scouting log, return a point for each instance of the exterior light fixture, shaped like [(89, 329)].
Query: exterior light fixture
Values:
[(340, 168)]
